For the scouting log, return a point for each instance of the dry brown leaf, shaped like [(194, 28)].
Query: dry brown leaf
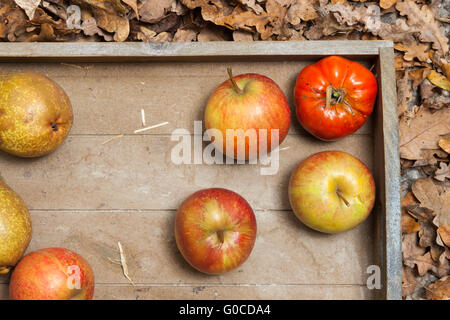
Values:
[(413, 50), (133, 5), (301, 10), (409, 282), (153, 11), (425, 190), (17, 21), (210, 34), (440, 290), (439, 80), (326, 26), (109, 15), (29, 6), (222, 14), (418, 75), (423, 132), (427, 234), (438, 202), (409, 224), (444, 233), (90, 28), (442, 172), (46, 34), (411, 249), (425, 263), (404, 93), (239, 35), (445, 145), (386, 4), (433, 97), (423, 21), (252, 4), (187, 35)]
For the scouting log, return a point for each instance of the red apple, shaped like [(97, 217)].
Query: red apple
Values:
[(52, 274), (215, 230), (248, 101), (332, 191)]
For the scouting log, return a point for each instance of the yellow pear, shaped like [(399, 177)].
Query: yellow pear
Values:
[(35, 114), (15, 228)]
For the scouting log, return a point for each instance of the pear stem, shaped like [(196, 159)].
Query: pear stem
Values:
[(4, 270), (233, 82), (221, 236), (340, 195)]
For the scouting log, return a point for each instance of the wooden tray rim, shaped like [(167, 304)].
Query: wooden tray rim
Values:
[(389, 226)]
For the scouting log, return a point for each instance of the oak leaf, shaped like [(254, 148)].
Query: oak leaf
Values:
[(185, 35), (386, 4), (423, 21), (425, 263), (442, 172), (411, 249), (409, 282), (444, 233), (413, 50), (110, 16), (409, 224), (423, 132), (29, 6), (439, 80), (440, 290), (445, 145), (239, 35), (301, 10), (234, 18), (153, 11)]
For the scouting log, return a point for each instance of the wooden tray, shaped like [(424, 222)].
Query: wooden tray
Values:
[(88, 195)]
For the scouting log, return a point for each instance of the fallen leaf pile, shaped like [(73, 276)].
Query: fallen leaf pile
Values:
[(419, 29)]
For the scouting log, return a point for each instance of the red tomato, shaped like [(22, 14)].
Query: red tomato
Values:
[(334, 97)]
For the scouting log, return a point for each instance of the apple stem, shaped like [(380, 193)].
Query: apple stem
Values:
[(233, 82), (221, 236), (340, 195), (4, 270)]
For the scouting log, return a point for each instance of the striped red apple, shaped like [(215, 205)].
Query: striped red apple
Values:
[(215, 230), (252, 103)]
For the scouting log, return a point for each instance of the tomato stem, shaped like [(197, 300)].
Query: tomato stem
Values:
[(328, 95), (336, 96), (233, 82)]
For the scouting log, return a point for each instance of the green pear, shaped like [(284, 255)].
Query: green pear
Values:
[(35, 114), (15, 228)]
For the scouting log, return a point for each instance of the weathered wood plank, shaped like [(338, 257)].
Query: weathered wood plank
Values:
[(108, 98), (136, 172), (285, 252), (387, 172), (189, 292), (189, 51)]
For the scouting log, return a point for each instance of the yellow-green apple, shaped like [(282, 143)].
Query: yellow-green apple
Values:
[(215, 230), (253, 105), (52, 274), (332, 191), (35, 114)]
